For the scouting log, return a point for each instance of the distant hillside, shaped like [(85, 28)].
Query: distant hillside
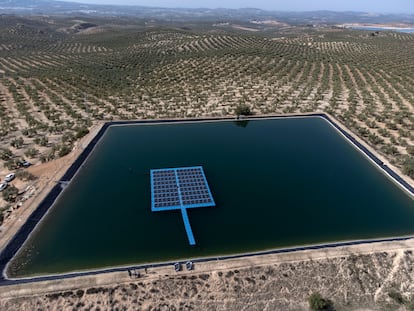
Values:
[(30, 5), (294, 18)]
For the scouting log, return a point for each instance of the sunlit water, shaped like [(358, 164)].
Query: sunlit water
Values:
[(276, 183)]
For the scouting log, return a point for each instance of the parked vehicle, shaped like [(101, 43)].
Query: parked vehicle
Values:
[(189, 265), (9, 177), (26, 163), (3, 186)]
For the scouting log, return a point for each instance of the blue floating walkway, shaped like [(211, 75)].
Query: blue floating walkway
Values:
[(180, 188), (187, 226)]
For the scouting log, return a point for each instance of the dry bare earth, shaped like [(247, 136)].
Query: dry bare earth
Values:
[(355, 282), (55, 84)]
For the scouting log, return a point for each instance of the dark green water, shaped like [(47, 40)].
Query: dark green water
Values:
[(276, 183)]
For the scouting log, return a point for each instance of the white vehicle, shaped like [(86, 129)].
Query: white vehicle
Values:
[(189, 265), (3, 186), (9, 177)]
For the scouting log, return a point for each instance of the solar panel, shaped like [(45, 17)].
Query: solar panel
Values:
[(184, 187), (180, 188)]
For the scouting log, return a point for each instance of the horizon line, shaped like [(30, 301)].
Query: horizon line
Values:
[(233, 9)]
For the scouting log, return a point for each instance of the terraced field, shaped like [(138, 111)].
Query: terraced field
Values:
[(55, 84)]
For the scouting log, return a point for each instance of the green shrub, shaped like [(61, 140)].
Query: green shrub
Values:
[(396, 296), (81, 131), (318, 303), (25, 175), (12, 164), (17, 142), (29, 132), (41, 141), (242, 110), (409, 305), (31, 152), (2, 210), (64, 150), (408, 167), (5, 154), (10, 193), (68, 137), (47, 157)]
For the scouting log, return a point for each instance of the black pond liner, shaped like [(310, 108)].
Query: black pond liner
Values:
[(23, 233)]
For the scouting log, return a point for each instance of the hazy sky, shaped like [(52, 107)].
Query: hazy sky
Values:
[(388, 6)]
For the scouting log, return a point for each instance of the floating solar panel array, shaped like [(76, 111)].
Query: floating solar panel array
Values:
[(180, 188), (164, 190)]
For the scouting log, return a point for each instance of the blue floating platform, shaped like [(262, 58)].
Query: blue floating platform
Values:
[(180, 188)]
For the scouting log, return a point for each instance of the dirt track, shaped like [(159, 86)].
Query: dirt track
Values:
[(355, 278), (359, 276)]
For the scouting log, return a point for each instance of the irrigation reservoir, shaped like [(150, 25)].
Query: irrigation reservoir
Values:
[(275, 182)]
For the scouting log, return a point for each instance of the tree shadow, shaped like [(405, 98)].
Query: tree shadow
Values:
[(241, 123)]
